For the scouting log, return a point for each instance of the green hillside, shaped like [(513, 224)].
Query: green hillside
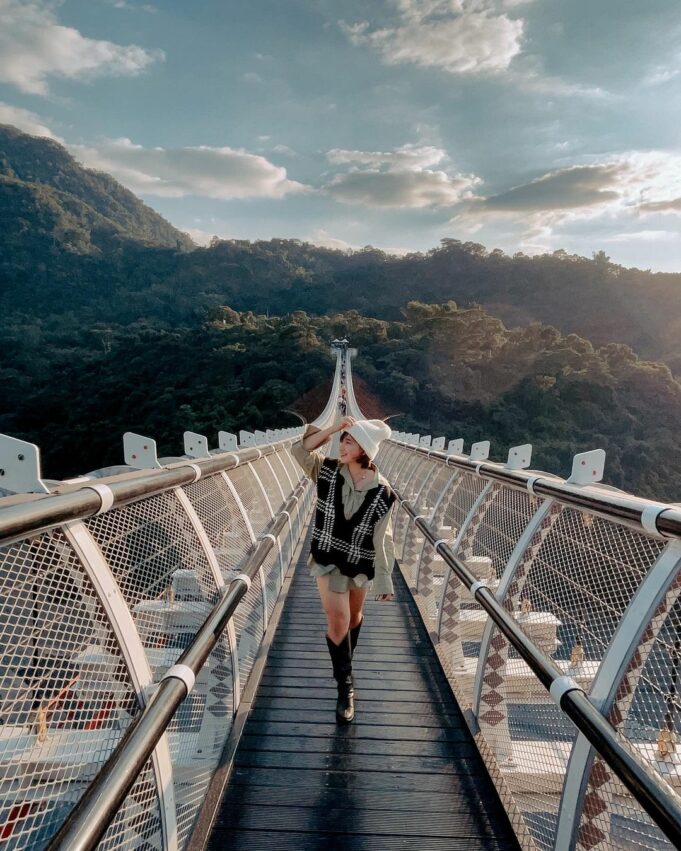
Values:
[(48, 200), (457, 372)]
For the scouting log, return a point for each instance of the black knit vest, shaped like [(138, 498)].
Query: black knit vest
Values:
[(348, 544)]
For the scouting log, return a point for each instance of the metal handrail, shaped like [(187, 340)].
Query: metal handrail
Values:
[(655, 797), (643, 515), (30, 514), (92, 815)]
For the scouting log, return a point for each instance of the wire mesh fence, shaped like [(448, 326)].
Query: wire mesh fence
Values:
[(573, 582), (93, 614)]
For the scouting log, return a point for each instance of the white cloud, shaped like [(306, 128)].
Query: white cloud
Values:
[(565, 189), (397, 179), (225, 173), (636, 181), (407, 156), (595, 203), (400, 189), (35, 47), (124, 4), (284, 150), (323, 237), (25, 120), (644, 236), (670, 205), (459, 36)]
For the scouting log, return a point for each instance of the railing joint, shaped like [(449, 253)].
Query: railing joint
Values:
[(181, 672)]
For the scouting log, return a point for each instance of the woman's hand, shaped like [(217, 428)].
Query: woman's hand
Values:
[(385, 598), (345, 423)]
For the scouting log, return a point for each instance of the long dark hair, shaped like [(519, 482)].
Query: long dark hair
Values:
[(363, 460)]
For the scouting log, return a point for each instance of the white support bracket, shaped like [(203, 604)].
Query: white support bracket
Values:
[(624, 644), (139, 451), (240, 506), (195, 445), (196, 469), (519, 457), (425, 440), (480, 451), (227, 441), (455, 447), (246, 438), (234, 652), (202, 535), (507, 576), (20, 470), (531, 482), (587, 467), (438, 443), (244, 577)]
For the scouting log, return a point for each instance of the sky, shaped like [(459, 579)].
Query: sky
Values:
[(525, 125)]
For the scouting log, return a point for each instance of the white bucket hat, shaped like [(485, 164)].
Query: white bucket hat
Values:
[(369, 434)]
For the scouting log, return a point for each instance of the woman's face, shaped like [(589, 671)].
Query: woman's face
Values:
[(349, 450)]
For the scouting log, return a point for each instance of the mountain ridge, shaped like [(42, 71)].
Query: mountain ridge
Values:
[(54, 245), (89, 197)]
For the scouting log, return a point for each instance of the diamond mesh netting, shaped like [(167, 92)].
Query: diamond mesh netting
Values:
[(568, 577), (65, 696)]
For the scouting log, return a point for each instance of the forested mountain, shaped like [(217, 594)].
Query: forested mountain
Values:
[(48, 201), (457, 372), (75, 241), (110, 321)]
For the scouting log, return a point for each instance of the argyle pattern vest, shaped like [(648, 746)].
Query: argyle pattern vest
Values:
[(348, 544)]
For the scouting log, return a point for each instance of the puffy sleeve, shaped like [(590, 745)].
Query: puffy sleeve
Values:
[(309, 460), (385, 555)]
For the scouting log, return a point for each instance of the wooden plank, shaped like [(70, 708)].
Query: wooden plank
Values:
[(361, 730), (314, 778), (405, 774), (257, 840)]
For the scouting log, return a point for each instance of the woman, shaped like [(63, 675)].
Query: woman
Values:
[(352, 547)]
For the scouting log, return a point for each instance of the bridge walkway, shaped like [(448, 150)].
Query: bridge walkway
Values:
[(405, 774)]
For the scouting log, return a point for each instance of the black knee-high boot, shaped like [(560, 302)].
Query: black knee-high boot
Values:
[(341, 659), (354, 635)]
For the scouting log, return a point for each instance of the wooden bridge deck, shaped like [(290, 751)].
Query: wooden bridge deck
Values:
[(405, 774)]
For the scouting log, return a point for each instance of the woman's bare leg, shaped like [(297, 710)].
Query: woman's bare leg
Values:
[(357, 597), (337, 608)]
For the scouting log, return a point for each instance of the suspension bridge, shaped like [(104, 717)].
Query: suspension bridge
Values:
[(165, 685)]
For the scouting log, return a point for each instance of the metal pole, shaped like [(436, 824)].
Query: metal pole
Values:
[(91, 817), (22, 516), (640, 514), (653, 795)]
